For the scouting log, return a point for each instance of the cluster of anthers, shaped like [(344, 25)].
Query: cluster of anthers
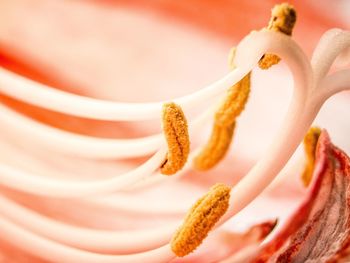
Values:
[(312, 87)]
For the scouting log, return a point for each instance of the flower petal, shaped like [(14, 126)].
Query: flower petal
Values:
[(320, 229)]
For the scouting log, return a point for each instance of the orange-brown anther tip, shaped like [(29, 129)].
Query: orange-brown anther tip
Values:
[(176, 134), (310, 143), (201, 219), (283, 18)]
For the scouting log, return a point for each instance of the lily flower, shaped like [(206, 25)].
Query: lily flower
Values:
[(95, 170)]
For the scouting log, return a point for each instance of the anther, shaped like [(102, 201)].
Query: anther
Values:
[(283, 18), (201, 219), (310, 143), (224, 123), (175, 130)]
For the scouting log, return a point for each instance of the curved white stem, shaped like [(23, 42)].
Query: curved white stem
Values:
[(297, 121), (293, 128), (289, 51), (265, 171), (301, 113), (56, 252), (333, 84), (122, 202), (17, 124), (26, 182), (121, 242), (331, 44), (159, 178), (40, 95), (80, 145)]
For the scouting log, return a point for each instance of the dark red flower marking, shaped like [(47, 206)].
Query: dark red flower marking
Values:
[(319, 231)]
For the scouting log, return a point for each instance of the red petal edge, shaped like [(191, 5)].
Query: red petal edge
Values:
[(319, 231)]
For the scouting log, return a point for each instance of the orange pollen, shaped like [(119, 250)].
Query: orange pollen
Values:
[(283, 18), (310, 143), (201, 218), (175, 130)]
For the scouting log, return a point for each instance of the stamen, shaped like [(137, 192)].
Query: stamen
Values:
[(225, 122), (201, 219), (283, 18), (31, 230), (176, 133), (310, 143)]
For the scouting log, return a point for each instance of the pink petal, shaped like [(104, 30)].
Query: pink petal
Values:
[(320, 229)]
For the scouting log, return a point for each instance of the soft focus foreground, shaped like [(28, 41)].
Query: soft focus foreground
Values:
[(124, 53)]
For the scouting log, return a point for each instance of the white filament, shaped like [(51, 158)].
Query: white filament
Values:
[(32, 232), (41, 95), (35, 244), (82, 145), (38, 185)]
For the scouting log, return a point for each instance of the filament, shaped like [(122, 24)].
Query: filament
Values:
[(36, 244), (49, 98), (283, 18), (85, 238), (35, 233), (82, 145), (30, 183)]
